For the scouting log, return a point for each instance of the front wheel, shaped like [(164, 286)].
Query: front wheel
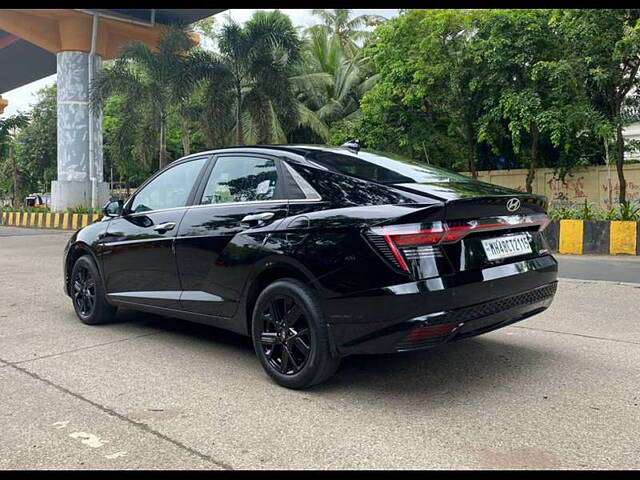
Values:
[(290, 337), (88, 294)]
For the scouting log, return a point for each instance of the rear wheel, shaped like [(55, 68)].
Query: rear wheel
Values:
[(290, 337), (88, 294)]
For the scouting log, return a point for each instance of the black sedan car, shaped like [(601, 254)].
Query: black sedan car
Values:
[(316, 253)]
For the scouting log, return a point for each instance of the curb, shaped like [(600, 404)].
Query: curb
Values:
[(588, 237), (56, 221), (574, 237)]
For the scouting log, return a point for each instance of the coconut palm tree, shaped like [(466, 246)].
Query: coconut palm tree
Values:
[(253, 76), (331, 82), (346, 29), (259, 57), (151, 83)]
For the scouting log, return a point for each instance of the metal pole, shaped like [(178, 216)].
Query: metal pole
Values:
[(92, 160)]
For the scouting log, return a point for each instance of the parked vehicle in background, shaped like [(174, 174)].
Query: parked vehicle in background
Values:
[(316, 253), (38, 200)]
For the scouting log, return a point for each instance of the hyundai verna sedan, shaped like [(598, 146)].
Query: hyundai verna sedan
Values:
[(316, 253)]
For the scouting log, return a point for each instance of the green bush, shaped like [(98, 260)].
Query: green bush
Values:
[(81, 210), (628, 212)]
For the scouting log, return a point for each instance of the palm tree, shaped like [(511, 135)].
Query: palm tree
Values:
[(150, 83), (8, 129), (339, 23), (248, 88), (331, 82), (258, 58)]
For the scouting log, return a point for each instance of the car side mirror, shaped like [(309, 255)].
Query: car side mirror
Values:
[(113, 208)]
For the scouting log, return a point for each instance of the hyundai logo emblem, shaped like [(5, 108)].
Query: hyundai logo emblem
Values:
[(513, 204)]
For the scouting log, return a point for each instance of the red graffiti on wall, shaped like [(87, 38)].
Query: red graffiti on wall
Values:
[(633, 189), (571, 188)]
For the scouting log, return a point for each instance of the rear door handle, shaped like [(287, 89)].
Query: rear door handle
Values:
[(257, 219), (164, 227)]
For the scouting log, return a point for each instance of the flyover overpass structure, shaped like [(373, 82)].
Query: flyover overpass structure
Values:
[(35, 43)]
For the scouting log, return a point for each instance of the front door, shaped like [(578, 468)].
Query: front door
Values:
[(220, 237), (138, 255)]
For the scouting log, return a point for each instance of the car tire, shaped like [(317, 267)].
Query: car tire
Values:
[(88, 293), (281, 349)]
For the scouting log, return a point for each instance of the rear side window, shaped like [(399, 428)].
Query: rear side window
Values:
[(384, 168), (241, 179)]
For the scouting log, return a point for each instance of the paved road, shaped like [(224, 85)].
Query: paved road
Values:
[(559, 390), (600, 267)]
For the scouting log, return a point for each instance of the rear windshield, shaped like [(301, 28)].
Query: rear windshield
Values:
[(383, 167)]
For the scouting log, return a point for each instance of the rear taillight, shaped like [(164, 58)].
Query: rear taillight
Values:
[(419, 240)]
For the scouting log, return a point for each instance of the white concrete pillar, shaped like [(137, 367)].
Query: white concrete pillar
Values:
[(73, 187)]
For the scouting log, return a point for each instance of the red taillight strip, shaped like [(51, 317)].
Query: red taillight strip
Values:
[(396, 253), (401, 236)]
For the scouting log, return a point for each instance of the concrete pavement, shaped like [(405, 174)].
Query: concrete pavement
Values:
[(559, 390)]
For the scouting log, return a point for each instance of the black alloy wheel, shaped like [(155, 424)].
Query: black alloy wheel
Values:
[(290, 336), (84, 291), (286, 338), (88, 294)]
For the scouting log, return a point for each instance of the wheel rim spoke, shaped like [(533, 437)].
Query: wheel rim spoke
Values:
[(268, 338), (284, 360), (273, 312), (292, 315), (302, 346), (296, 367)]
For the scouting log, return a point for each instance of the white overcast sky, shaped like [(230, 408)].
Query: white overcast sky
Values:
[(20, 99)]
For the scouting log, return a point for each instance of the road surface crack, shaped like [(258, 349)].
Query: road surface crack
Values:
[(57, 354), (578, 335), (143, 426)]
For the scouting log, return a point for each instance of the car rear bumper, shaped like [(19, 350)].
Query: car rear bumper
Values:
[(430, 312)]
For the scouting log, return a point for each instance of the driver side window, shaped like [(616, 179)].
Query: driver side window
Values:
[(170, 189)]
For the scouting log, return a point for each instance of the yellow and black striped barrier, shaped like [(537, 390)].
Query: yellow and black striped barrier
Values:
[(576, 237), (579, 237), (58, 221)]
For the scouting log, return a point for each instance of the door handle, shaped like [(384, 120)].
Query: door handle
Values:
[(257, 219), (164, 227)]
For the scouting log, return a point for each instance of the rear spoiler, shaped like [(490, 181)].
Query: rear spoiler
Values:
[(476, 208)]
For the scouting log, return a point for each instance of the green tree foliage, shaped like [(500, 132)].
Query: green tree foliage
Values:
[(258, 58), (604, 47), (152, 84), (348, 31), (37, 142), (464, 89), (10, 167), (408, 110)]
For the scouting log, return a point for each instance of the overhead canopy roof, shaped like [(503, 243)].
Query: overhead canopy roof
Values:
[(22, 62)]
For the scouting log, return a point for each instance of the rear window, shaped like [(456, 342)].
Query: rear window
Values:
[(383, 167)]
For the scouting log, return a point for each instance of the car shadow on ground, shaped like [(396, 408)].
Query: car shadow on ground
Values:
[(452, 370)]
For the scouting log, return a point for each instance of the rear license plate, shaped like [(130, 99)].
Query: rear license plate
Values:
[(507, 246)]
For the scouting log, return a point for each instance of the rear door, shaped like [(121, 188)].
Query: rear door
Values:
[(137, 250), (240, 200)]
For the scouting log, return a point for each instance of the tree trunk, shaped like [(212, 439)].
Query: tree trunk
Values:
[(16, 179), (186, 145), (622, 197), (535, 141), (239, 131), (472, 146), (163, 146)]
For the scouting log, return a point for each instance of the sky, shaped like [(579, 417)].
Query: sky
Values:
[(20, 99)]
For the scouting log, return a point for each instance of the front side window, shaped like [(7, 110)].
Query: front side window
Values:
[(170, 189), (241, 179)]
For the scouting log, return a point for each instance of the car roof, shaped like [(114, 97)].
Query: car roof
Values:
[(298, 150)]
